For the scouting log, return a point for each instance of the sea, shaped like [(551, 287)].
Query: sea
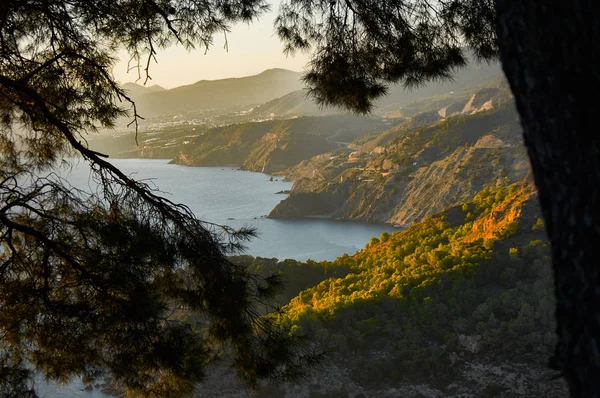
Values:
[(236, 198)]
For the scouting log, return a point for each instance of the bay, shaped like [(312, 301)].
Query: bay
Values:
[(237, 198)]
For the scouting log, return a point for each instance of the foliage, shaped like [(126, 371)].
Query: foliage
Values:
[(296, 276), (360, 47), (425, 292), (89, 281)]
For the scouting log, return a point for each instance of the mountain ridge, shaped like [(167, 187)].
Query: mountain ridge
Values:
[(280, 89), (219, 93)]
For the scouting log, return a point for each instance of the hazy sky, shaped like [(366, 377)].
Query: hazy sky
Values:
[(252, 49)]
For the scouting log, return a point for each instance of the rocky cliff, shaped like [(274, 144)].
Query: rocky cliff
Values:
[(427, 163)]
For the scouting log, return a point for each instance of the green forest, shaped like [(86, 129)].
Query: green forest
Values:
[(472, 283)]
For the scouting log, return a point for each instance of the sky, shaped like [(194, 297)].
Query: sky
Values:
[(252, 49)]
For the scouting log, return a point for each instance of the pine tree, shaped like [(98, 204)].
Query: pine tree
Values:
[(120, 280)]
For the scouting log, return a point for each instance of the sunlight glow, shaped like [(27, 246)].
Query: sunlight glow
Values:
[(252, 48)]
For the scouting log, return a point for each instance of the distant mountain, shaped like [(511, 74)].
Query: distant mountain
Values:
[(136, 90), (280, 94), (220, 94), (297, 103)]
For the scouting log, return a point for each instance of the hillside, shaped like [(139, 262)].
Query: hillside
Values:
[(268, 146), (425, 164), (463, 291), (460, 304)]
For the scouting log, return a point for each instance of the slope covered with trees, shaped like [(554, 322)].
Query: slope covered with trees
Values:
[(461, 302)]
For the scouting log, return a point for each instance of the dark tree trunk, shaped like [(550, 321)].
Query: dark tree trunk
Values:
[(550, 52)]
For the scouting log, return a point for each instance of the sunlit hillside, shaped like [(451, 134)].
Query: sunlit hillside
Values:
[(461, 302)]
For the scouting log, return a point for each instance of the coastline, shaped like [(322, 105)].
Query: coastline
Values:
[(283, 177)]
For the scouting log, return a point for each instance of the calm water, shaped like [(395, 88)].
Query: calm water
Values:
[(235, 198), (239, 198)]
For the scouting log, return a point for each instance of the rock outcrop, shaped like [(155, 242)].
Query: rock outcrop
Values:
[(412, 170)]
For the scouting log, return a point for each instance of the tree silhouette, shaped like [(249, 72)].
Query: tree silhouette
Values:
[(106, 281)]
